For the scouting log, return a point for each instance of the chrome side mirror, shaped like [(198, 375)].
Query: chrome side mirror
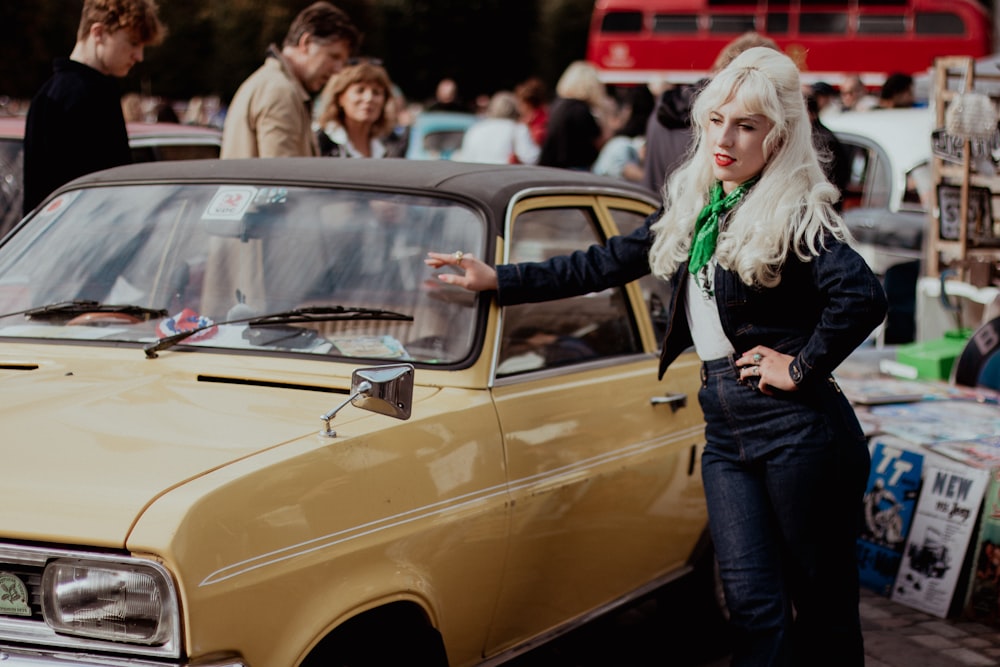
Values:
[(387, 390)]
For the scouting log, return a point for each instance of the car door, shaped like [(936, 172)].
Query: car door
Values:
[(604, 480)]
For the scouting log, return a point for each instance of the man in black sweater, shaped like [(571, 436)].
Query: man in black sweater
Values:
[(75, 124)]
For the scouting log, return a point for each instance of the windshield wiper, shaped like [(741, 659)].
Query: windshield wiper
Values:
[(64, 309), (296, 315)]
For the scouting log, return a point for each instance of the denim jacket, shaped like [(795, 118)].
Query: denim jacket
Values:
[(820, 312)]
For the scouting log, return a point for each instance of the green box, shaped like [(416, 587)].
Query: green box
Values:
[(933, 359)]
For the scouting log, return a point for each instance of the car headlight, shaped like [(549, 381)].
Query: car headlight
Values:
[(122, 602)]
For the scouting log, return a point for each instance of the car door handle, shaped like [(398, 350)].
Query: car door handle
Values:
[(675, 401)]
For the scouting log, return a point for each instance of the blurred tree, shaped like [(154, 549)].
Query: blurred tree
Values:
[(183, 64), (484, 45), (213, 45), (567, 23), (31, 34)]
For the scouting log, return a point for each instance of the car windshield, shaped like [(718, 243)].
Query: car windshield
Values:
[(139, 263)]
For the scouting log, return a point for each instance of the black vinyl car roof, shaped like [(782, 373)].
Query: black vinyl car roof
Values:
[(489, 186)]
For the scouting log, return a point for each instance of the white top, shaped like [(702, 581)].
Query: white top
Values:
[(710, 341), (495, 140), (338, 135), (616, 153)]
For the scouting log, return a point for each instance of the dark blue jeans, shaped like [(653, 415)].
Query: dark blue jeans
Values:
[(784, 477)]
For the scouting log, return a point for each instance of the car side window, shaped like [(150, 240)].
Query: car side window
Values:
[(154, 153), (655, 291), (869, 184), (919, 185), (567, 331)]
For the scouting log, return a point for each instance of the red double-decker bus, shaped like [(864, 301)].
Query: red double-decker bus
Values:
[(632, 41)]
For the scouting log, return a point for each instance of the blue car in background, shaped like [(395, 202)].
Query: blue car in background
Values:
[(437, 135)]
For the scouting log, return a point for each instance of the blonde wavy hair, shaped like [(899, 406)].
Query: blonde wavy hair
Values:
[(581, 81), (788, 211)]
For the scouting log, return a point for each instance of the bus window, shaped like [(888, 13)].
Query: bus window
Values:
[(938, 23), (827, 23), (675, 23), (734, 24), (777, 23), (882, 24), (622, 22)]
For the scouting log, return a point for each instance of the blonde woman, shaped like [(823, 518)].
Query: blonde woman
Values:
[(354, 119), (768, 291), (579, 119)]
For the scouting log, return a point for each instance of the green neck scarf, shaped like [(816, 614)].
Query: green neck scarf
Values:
[(706, 228)]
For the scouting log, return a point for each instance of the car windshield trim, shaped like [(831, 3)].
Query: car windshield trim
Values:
[(308, 314)]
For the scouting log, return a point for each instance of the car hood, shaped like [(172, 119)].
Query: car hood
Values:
[(89, 443)]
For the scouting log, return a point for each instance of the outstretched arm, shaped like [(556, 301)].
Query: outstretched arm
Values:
[(621, 260)]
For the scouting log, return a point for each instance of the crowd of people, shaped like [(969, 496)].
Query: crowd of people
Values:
[(766, 286), (313, 97)]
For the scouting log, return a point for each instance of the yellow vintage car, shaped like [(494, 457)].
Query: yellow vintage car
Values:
[(245, 424)]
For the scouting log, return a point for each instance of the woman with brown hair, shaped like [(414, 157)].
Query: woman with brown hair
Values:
[(354, 119)]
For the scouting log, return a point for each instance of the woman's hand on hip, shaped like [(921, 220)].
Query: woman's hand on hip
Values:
[(769, 366)]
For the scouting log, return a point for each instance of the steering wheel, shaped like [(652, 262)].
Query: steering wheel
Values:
[(103, 319)]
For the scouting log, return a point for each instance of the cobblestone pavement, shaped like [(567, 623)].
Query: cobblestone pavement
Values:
[(661, 631), (898, 636)]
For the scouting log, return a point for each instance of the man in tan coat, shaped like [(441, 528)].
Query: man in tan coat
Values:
[(271, 113)]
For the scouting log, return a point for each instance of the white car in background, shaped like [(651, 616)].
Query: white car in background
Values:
[(888, 196), (888, 200)]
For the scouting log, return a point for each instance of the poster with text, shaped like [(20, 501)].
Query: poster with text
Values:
[(889, 503), (943, 527), (983, 604)]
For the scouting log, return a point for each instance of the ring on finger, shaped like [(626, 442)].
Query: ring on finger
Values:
[(458, 256), (756, 371), (757, 357)]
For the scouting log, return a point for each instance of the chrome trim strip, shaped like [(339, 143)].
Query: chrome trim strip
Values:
[(22, 658), (560, 371)]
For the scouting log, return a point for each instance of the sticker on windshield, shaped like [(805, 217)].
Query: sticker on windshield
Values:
[(187, 320), (59, 204), (13, 596), (230, 203)]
